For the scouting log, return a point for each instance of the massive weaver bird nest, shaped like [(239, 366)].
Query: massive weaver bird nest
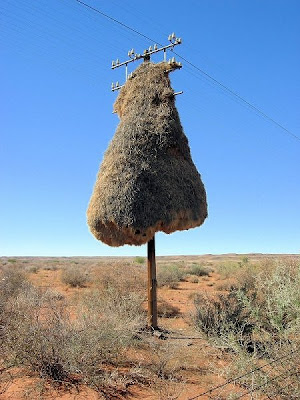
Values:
[(147, 181)]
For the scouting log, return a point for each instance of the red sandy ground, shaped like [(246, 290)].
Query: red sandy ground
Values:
[(196, 354)]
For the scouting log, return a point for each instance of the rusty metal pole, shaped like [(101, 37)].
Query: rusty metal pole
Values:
[(152, 286)]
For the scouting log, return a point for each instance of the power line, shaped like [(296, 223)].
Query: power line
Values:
[(238, 96), (116, 21), (215, 81), (24, 26)]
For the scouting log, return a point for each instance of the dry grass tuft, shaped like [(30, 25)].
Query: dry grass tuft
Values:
[(134, 277), (37, 332), (170, 275), (74, 277), (167, 310)]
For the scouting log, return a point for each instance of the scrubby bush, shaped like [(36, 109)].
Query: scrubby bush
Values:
[(258, 318), (134, 278), (37, 332), (13, 281), (170, 275), (167, 310), (269, 300), (140, 260), (198, 270), (227, 269), (33, 269), (276, 307), (223, 315), (74, 277), (121, 310), (50, 268)]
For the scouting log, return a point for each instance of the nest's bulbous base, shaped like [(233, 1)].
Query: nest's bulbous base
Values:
[(115, 236)]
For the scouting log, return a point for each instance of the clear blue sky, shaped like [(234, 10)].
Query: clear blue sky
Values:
[(57, 119)]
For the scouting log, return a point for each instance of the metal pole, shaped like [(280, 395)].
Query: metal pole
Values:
[(152, 286)]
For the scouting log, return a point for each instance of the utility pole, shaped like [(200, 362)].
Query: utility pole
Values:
[(152, 285), (151, 263), (133, 56)]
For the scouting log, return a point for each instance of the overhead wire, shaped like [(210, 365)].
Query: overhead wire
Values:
[(21, 21), (260, 112), (36, 26), (21, 28), (157, 27), (191, 71), (209, 77), (116, 21), (188, 69)]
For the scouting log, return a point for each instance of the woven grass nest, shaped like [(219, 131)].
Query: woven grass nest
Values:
[(147, 181)]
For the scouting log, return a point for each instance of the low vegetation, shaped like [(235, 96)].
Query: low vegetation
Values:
[(37, 332), (167, 310), (198, 270), (170, 275), (257, 318), (74, 277), (83, 340), (133, 278), (140, 260), (246, 325)]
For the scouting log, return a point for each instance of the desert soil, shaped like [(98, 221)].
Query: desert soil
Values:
[(198, 360)]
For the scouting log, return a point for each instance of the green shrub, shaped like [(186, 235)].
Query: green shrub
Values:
[(227, 269), (74, 277), (198, 270), (222, 315), (276, 307), (258, 319), (121, 314), (170, 275), (267, 300), (140, 260)]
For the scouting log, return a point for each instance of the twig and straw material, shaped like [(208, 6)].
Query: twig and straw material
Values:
[(147, 181)]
